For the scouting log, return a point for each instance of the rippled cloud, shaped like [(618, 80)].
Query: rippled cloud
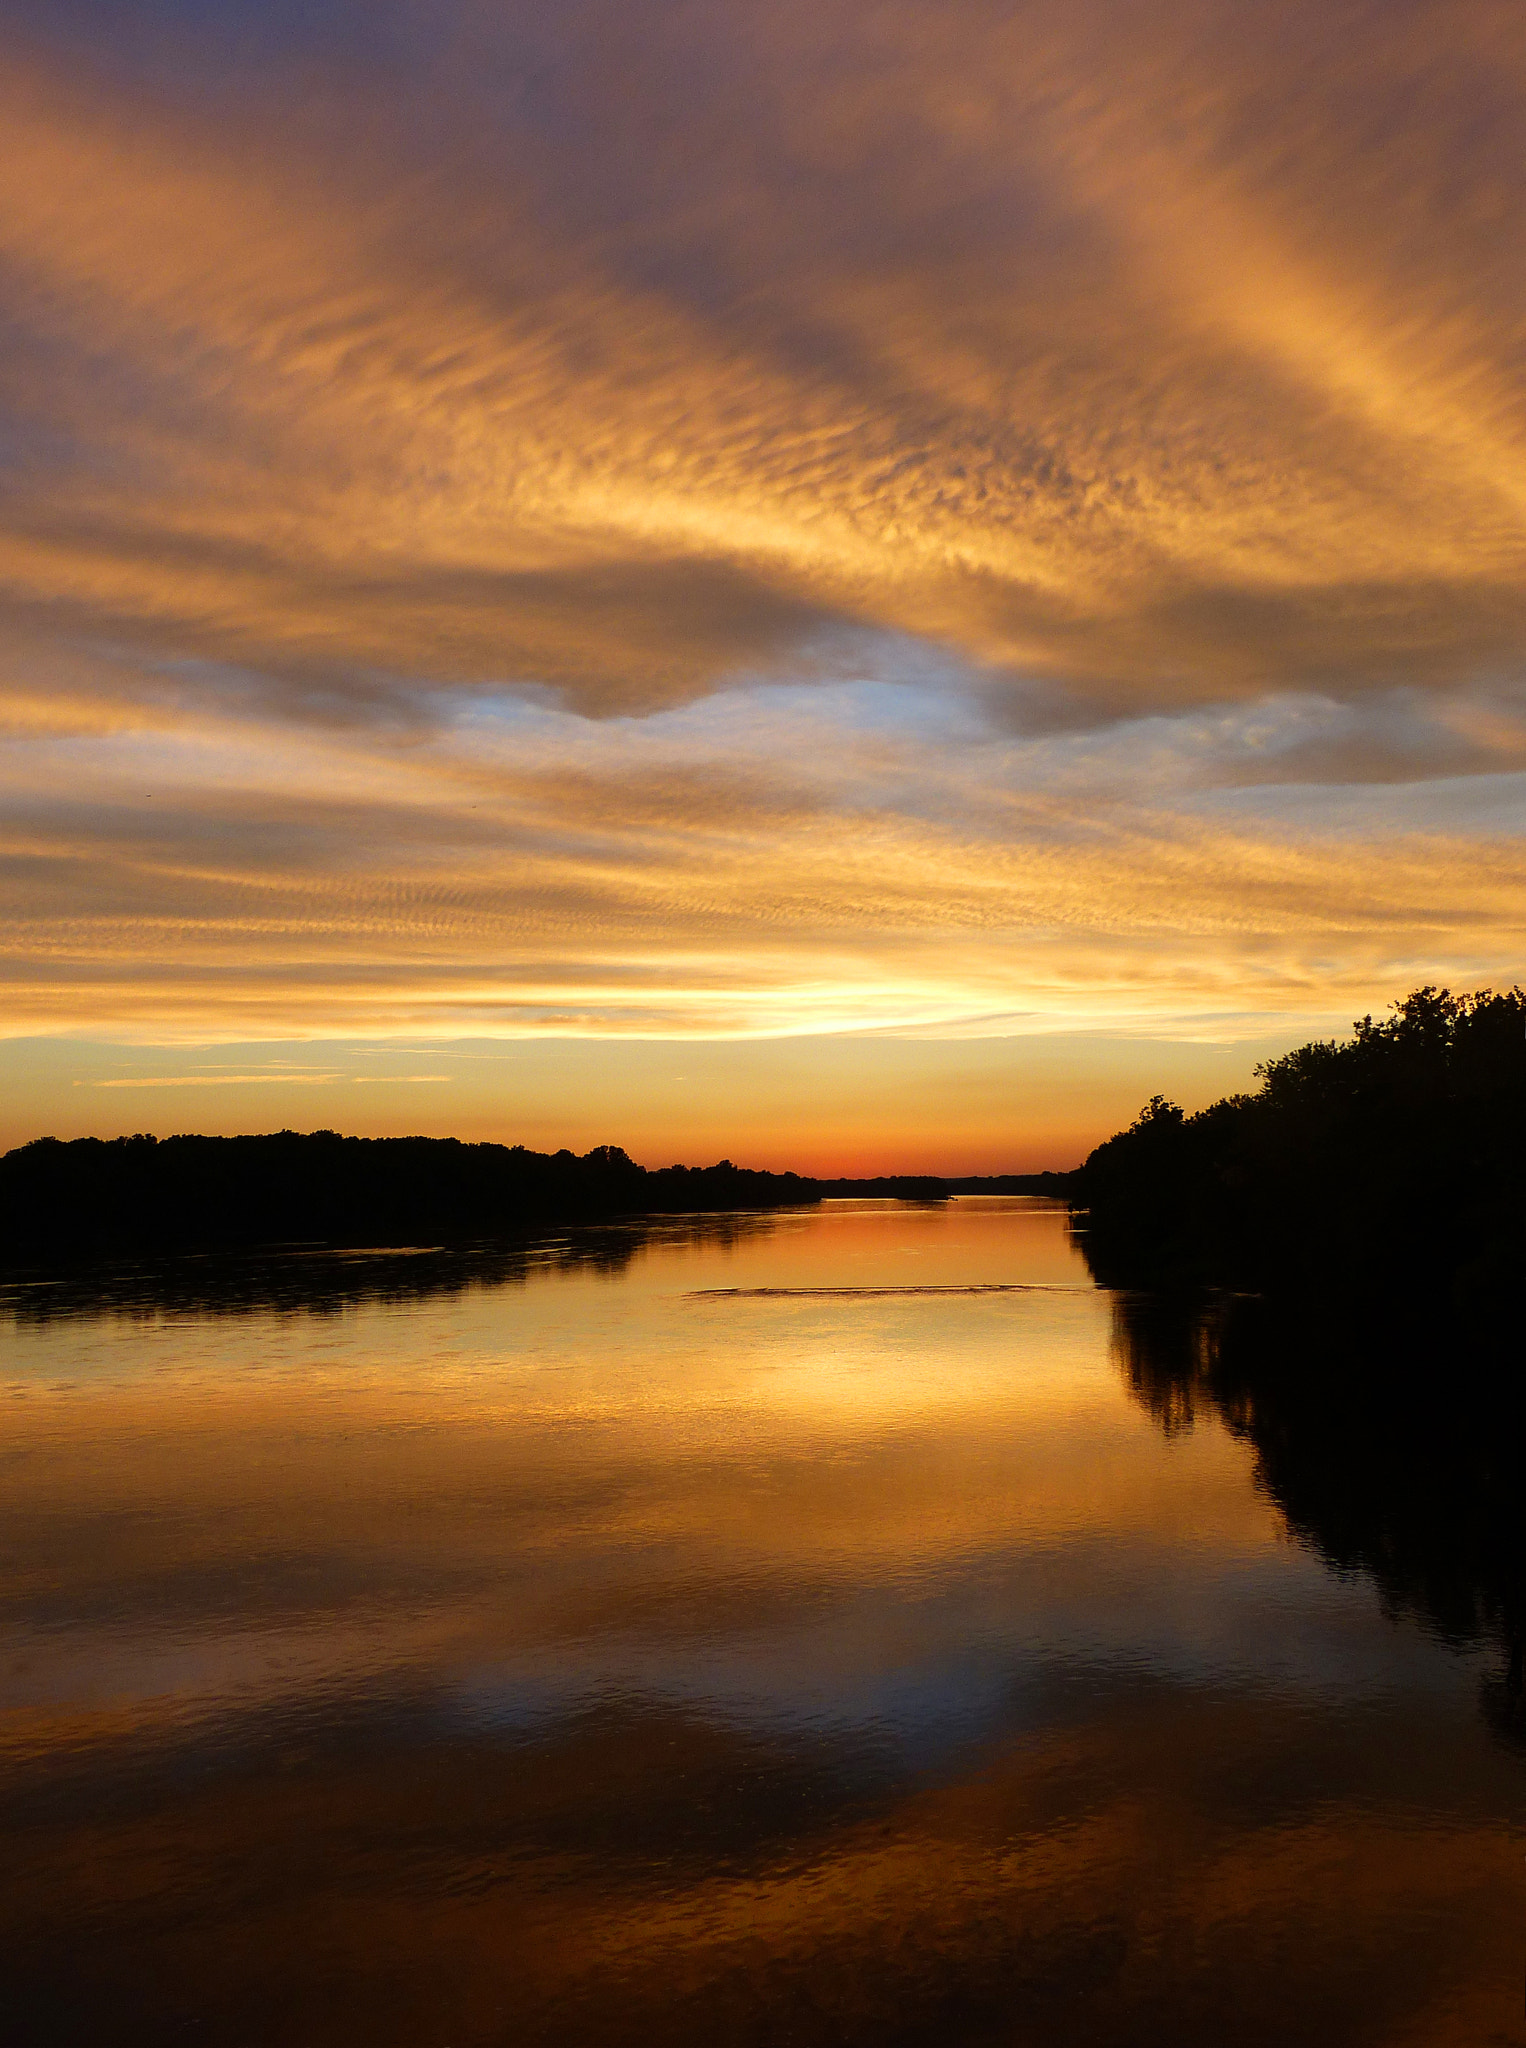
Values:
[(752, 520)]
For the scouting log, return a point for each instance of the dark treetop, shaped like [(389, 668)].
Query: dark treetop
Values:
[(67, 1202), (1389, 1171), (63, 1201)]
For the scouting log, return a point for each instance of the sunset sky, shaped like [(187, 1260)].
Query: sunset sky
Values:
[(849, 583)]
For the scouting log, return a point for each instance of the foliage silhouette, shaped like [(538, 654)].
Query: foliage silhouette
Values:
[(1386, 1172), (82, 1199)]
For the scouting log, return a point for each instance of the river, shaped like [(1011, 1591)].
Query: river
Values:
[(815, 1627)]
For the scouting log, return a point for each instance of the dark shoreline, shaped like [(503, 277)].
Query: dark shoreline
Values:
[(66, 1204)]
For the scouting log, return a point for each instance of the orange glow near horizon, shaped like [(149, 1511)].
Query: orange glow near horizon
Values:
[(838, 1105)]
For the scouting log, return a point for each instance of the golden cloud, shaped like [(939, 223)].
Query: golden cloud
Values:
[(1102, 363), (537, 881), (1100, 357)]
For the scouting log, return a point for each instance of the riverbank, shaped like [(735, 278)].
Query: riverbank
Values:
[(70, 1201), (64, 1202)]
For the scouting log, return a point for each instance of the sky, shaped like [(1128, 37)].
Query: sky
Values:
[(851, 585)]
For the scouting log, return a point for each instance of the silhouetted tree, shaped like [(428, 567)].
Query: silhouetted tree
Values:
[(60, 1201), (1389, 1166)]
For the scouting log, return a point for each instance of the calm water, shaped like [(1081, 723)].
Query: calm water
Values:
[(703, 1635)]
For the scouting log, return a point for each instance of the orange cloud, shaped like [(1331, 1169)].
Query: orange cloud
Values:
[(1072, 369), (1062, 358)]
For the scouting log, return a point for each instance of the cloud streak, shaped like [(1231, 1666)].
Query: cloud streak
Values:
[(1084, 351), (435, 437), (780, 862)]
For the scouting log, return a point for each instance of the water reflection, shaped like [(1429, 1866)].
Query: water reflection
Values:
[(325, 1279), (800, 1633), (1403, 1461)]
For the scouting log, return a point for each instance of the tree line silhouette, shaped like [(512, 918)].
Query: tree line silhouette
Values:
[(1388, 1172), (92, 1195), (66, 1202), (1332, 1265)]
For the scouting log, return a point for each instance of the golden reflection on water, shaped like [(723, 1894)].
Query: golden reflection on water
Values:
[(601, 1658)]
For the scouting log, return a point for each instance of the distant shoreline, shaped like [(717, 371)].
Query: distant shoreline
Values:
[(89, 1197)]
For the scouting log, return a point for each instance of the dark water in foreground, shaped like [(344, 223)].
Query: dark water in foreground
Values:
[(704, 1636)]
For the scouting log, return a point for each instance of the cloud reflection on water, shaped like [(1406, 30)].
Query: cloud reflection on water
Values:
[(582, 1661)]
